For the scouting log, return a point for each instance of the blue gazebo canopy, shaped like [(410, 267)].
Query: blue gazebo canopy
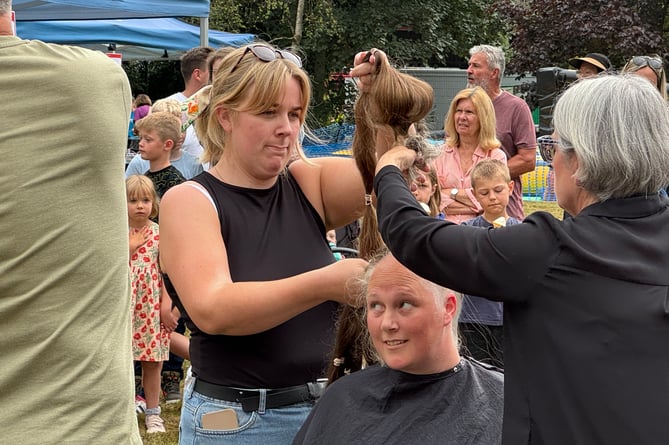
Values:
[(147, 39), (107, 9)]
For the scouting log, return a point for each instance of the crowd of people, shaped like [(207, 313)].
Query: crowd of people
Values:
[(479, 325)]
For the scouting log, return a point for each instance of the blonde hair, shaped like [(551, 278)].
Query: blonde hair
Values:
[(489, 169), (242, 78), (435, 198), (172, 106), (166, 125), (661, 83), (219, 54), (485, 112), (140, 186)]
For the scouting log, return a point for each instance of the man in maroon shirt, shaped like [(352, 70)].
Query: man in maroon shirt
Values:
[(515, 127)]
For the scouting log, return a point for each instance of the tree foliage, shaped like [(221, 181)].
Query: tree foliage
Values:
[(433, 33), (426, 33), (158, 79), (413, 33), (550, 32)]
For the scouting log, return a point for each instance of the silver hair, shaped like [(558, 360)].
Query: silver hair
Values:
[(618, 127), (494, 55), (5, 6)]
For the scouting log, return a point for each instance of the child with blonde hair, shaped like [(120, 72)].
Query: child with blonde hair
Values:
[(159, 133), (481, 319), (187, 164), (428, 194), (150, 338)]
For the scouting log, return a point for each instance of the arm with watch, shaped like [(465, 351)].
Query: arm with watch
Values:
[(461, 201)]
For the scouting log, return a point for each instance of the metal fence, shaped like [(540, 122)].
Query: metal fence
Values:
[(336, 139)]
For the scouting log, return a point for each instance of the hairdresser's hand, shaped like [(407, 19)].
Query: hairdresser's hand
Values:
[(402, 158), (342, 280), (365, 65)]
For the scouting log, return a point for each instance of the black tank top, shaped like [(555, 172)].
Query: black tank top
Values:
[(269, 234)]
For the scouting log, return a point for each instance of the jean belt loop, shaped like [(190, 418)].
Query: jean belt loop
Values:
[(262, 394)]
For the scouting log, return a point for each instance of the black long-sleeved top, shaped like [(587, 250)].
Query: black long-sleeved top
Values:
[(586, 313)]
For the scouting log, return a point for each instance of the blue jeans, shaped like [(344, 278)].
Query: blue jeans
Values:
[(272, 426)]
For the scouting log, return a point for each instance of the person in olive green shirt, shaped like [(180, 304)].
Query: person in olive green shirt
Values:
[(66, 372)]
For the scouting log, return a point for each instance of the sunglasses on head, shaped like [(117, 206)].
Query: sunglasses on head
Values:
[(652, 62), (267, 54), (547, 146)]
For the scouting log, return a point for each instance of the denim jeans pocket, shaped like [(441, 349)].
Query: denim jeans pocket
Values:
[(254, 428)]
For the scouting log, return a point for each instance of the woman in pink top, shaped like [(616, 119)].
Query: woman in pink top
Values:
[(470, 137)]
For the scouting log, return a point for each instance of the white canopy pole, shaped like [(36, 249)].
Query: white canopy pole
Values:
[(204, 31)]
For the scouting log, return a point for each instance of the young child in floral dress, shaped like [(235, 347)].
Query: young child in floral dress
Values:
[(150, 339)]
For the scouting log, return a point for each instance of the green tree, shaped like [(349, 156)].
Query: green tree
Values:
[(158, 79), (550, 32), (431, 33), (427, 33)]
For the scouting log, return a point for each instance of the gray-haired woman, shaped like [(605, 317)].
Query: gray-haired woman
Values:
[(587, 321)]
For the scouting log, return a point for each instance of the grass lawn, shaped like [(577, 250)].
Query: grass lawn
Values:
[(171, 413), (546, 206)]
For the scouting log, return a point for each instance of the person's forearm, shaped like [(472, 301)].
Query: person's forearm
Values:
[(519, 166), (246, 308), (456, 208), (463, 258)]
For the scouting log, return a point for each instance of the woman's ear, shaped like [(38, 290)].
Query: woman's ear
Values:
[(572, 163), (224, 118), (450, 307)]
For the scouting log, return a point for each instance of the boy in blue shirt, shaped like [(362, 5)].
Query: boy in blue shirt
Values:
[(481, 319)]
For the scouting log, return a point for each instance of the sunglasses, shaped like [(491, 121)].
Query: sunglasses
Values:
[(653, 62), (547, 146), (267, 54)]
